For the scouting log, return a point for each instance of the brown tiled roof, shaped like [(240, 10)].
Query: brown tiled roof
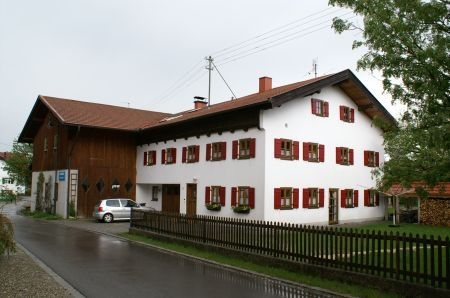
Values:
[(100, 115), (5, 155), (231, 104), (441, 190)]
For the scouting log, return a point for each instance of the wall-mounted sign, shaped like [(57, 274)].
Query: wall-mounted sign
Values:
[(62, 176)]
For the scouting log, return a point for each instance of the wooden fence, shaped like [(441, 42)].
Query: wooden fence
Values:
[(404, 257)]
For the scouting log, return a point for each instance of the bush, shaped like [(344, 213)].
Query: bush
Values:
[(7, 243), (72, 209)]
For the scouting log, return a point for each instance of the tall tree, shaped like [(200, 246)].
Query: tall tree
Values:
[(408, 41), (18, 165)]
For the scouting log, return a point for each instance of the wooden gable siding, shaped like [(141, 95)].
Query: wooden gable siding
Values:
[(103, 155)]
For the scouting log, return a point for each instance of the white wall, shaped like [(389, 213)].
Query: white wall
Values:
[(294, 120), (8, 186), (228, 173)]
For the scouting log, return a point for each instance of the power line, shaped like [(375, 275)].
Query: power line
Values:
[(229, 88), (275, 34), (295, 34), (270, 31)]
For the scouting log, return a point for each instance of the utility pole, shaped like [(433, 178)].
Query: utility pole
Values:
[(209, 68), (315, 67)]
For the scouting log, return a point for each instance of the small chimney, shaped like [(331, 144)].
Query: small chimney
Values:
[(265, 83), (199, 102)]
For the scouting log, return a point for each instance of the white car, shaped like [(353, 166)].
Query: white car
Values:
[(109, 210)]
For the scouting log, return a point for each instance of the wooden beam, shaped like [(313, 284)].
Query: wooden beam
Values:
[(365, 107)]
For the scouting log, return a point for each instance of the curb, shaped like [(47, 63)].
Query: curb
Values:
[(61, 281)]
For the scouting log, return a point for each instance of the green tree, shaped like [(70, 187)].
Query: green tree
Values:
[(18, 165), (408, 41)]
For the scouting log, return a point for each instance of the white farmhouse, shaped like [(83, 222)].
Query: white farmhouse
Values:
[(6, 182), (300, 153)]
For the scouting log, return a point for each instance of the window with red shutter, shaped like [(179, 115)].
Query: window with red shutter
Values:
[(366, 158), (173, 153), (377, 159), (346, 114), (183, 155), (223, 150), (252, 148), (350, 156), (234, 153), (277, 148), (366, 197), (145, 158), (319, 107), (321, 198), (222, 196), (341, 113), (296, 149), (313, 106), (207, 195), (208, 151), (190, 154), (305, 198), (197, 153), (321, 153), (325, 109), (355, 198), (371, 158), (352, 115), (251, 197), (295, 198), (305, 151), (163, 156), (153, 157), (233, 196), (277, 198), (343, 198), (338, 155)]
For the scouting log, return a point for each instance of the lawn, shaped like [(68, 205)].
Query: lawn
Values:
[(408, 228)]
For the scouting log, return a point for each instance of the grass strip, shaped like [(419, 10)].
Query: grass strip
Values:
[(41, 215), (333, 285)]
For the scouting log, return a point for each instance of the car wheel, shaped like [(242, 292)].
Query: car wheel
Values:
[(108, 217)]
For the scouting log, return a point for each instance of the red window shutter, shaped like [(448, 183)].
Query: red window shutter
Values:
[(277, 198), (306, 198), (233, 196), (313, 106), (355, 198), (183, 156), (222, 196), (343, 197), (338, 155), (154, 157), (366, 158), (197, 153), (305, 151), (341, 112), (252, 148), (163, 156), (251, 197), (325, 109), (377, 159), (322, 153), (295, 198), (296, 149), (208, 151), (223, 150), (352, 115), (277, 150), (145, 158), (207, 195), (173, 152), (350, 156), (234, 153), (377, 200), (366, 197), (321, 197)]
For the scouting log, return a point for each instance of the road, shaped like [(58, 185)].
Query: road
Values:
[(104, 266)]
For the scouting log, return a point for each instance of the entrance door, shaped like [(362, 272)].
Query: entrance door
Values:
[(191, 199), (171, 198), (333, 206)]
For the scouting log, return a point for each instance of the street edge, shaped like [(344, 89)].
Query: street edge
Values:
[(61, 281)]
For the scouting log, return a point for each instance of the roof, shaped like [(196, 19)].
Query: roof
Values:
[(441, 190), (5, 155), (87, 114), (345, 80)]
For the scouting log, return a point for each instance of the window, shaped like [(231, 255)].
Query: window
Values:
[(344, 156), (243, 196), (128, 203), (216, 151), (371, 158), (55, 142), (7, 181), (319, 107), (155, 191), (244, 148), (286, 149), (45, 144), (313, 152), (191, 154), (169, 156), (313, 197), (112, 203), (347, 114), (149, 158), (286, 198), (371, 198), (215, 195), (349, 198)]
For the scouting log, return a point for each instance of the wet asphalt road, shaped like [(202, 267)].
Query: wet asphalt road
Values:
[(104, 266)]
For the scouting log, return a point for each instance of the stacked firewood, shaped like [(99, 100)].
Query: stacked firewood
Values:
[(435, 212)]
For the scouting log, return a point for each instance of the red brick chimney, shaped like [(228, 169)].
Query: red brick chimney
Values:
[(199, 102), (265, 83)]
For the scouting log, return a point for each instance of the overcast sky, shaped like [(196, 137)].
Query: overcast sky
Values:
[(135, 51)]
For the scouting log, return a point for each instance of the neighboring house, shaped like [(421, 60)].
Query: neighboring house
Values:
[(6, 182), (88, 149), (433, 210), (300, 153)]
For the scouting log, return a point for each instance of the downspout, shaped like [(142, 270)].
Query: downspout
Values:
[(69, 159)]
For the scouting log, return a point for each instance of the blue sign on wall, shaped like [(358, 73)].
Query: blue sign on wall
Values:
[(62, 176)]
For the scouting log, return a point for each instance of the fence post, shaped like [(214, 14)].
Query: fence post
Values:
[(204, 229)]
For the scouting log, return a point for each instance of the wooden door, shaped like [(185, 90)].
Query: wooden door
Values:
[(171, 198), (191, 199), (333, 206)]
